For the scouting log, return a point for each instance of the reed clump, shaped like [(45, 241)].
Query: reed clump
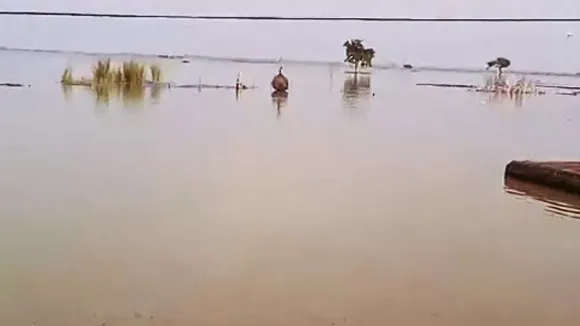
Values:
[(129, 78), (155, 73), (127, 74), (499, 84), (67, 77)]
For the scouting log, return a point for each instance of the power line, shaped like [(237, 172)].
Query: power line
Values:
[(291, 18)]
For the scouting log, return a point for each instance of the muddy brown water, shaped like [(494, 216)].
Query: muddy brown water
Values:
[(339, 208)]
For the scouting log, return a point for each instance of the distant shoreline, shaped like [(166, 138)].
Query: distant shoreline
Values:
[(379, 66), (294, 18)]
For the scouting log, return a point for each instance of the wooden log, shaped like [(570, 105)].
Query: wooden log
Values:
[(567, 87), (507, 92), (351, 72), (447, 85), (13, 85), (558, 175), (568, 93), (211, 86)]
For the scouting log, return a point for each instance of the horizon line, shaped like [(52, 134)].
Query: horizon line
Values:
[(250, 60), (287, 18)]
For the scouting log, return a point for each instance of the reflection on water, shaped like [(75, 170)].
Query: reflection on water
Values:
[(279, 99), (155, 91), (355, 88), (556, 202), (66, 92), (331, 78), (500, 98), (129, 96), (506, 88)]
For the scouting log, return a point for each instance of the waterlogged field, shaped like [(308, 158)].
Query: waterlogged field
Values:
[(372, 203)]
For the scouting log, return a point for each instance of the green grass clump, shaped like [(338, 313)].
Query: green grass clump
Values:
[(102, 73), (128, 79), (66, 77), (128, 74), (117, 76), (133, 74), (155, 73)]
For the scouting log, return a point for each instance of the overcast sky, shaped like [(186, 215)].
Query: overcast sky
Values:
[(531, 46), (438, 8)]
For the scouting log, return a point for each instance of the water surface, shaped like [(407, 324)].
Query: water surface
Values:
[(341, 208)]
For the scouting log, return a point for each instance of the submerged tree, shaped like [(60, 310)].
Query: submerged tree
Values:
[(357, 54), (499, 63)]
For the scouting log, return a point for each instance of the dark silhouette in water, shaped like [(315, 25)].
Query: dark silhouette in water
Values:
[(407, 66), (499, 63), (239, 85), (13, 85), (280, 82)]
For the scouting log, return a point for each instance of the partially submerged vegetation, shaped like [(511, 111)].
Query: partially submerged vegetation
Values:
[(127, 79), (500, 84), (131, 78), (358, 55), (128, 74)]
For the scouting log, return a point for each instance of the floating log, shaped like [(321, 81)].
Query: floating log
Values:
[(508, 92), (168, 85), (358, 72), (567, 93), (166, 56), (577, 88), (13, 85), (212, 86), (554, 174), (447, 85), (85, 83)]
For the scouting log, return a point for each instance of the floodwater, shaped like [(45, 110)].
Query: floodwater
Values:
[(340, 208)]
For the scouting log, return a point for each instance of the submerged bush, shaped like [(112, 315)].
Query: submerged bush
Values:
[(155, 73), (128, 74), (357, 54), (67, 76), (127, 79)]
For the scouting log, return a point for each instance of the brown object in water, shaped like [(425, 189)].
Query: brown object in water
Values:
[(554, 174), (280, 82)]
